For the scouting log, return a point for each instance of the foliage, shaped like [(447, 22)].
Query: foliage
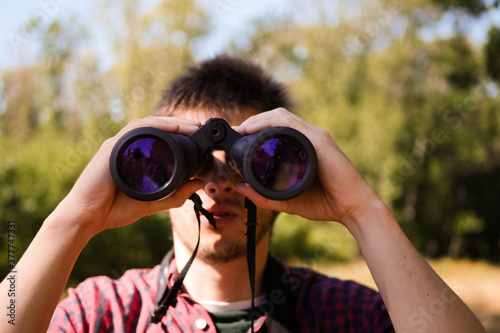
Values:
[(295, 238), (492, 53), (417, 116), (474, 7)]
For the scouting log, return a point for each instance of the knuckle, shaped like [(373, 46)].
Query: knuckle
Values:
[(324, 137), (134, 123), (282, 111), (283, 116), (108, 143), (324, 134)]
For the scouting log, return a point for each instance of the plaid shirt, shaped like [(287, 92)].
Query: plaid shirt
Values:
[(298, 300)]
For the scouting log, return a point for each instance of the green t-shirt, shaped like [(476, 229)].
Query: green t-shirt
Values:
[(231, 321)]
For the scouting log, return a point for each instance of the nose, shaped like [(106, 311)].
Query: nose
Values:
[(218, 179), (220, 185)]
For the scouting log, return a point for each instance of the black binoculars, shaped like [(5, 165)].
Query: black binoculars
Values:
[(148, 164)]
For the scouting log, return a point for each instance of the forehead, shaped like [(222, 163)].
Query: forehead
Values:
[(202, 115)]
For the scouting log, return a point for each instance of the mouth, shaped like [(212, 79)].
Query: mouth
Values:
[(220, 214), (223, 214)]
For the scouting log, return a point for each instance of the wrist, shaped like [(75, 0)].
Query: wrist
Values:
[(373, 213), (71, 223)]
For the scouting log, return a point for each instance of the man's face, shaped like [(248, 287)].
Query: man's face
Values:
[(220, 198)]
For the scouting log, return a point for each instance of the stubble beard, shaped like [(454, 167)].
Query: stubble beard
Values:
[(227, 249)]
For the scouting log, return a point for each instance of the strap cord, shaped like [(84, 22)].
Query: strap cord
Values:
[(251, 227), (169, 295)]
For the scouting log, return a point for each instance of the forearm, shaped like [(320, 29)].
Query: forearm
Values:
[(42, 273), (417, 299)]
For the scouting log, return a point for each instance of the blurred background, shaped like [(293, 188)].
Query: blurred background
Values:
[(408, 89)]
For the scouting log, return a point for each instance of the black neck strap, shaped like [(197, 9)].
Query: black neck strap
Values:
[(168, 296), (251, 226)]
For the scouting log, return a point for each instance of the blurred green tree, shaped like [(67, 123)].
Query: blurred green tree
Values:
[(59, 111), (492, 53), (417, 115)]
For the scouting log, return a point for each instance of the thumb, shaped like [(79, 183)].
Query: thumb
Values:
[(259, 200), (177, 198)]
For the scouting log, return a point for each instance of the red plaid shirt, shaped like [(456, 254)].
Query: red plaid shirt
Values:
[(298, 300)]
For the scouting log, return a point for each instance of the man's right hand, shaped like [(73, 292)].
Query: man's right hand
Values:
[(99, 205)]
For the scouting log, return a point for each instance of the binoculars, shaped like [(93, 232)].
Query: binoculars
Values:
[(148, 164)]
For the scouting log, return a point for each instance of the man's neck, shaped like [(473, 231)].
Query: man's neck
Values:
[(222, 281)]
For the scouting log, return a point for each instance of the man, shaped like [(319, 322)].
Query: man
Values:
[(216, 289)]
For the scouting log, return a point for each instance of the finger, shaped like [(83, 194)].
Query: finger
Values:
[(186, 126), (167, 124), (179, 120), (254, 124), (276, 117), (172, 125), (259, 200), (177, 198)]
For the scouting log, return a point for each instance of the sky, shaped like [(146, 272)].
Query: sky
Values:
[(230, 18), (15, 14)]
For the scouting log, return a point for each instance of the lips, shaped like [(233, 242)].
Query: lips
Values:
[(220, 214), (223, 214)]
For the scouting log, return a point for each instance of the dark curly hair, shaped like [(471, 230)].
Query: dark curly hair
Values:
[(226, 85)]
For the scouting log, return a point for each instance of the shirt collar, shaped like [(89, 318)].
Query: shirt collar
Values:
[(279, 285)]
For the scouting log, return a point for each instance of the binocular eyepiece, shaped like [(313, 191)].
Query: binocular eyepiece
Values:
[(148, 164)]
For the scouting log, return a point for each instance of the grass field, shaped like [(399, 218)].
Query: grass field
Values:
[(476, 282)]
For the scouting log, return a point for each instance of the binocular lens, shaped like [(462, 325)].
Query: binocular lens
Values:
[(147, 164), (280, 163)]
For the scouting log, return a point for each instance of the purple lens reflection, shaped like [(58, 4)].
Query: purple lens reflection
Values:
[(280, 163), (147, 164)]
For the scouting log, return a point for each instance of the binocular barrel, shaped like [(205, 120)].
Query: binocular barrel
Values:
[(148, 164)]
